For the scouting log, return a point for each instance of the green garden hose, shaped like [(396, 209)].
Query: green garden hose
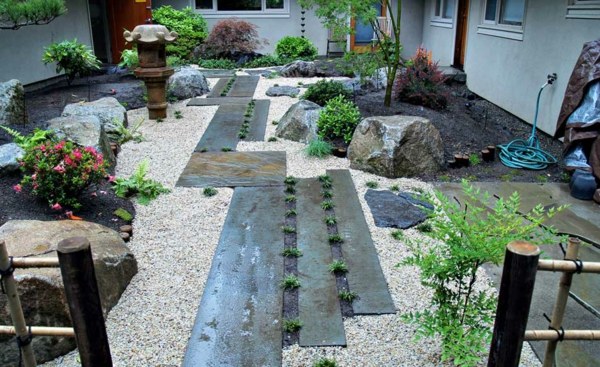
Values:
[(521, 153)]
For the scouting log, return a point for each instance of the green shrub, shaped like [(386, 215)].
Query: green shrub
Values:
[(325, 362), (189, 25), (17, 13), (130, 59), (324, 90), (363, 65), (175, 61), (144, 188), (293, 48), (338, 119), (72, 57), (462, 240), (265, 61), (217, 64), (319, 148), (58, 172)]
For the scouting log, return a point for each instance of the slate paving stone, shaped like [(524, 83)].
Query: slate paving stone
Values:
[(239, 319), (258, 126), (318, 302), (391, 210), (219, 101), (283, 90), (218, 88), (217, 73), (233, 169), (365, 276), (244, 86), (415, 200), (222, 131)]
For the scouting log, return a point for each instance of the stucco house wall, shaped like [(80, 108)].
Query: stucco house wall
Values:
[(437, 34), (510, 72), (21, 50)]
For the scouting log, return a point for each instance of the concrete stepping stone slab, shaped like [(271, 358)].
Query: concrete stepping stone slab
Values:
[(233, 169), (218, 101), (218, 88), (217, 73), (244, 86), (258, 126), (391, 210), (239, 319), (222, 131), (318, 302), (365, 276)]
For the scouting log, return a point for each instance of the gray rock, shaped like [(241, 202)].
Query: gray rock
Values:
[(108, 110), (283, 90), (42, 291), (415, 199), (12, 103), (187, 83), (353, 85), (9, 153), (299, 69), (85, 131), (378, 80), (299, 122), (396, 146), (390, 210)]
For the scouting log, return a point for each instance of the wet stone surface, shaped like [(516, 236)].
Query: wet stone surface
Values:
[(391, 210)]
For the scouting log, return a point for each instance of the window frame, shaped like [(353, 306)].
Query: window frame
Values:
[(583, 9), (497, 29), (263, 13), (438, 19)]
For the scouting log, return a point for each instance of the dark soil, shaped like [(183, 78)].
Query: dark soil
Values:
[(468, 125), (290, 266), (98, 203)]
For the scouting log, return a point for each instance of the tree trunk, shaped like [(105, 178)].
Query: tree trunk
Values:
[(387, 102)]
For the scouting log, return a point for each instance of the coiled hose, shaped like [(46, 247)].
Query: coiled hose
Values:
[(527, 154)]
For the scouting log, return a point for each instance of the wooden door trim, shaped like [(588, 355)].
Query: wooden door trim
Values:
[(353, 25)]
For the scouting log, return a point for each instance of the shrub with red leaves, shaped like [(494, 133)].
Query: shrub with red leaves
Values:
[(232, 37), (421, 82)]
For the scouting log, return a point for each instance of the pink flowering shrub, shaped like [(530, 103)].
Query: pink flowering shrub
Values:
[(59, 172)]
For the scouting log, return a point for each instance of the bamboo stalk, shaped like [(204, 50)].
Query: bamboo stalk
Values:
[(35, 262), (561, 302), (42, 331), (15, 309), (568, 266), (551, 335)]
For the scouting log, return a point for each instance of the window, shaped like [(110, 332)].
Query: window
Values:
[(584, 9), (444, 9), (242, 6), (505, 12)]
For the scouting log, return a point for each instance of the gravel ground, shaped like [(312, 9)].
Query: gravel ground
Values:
[(153, 320)]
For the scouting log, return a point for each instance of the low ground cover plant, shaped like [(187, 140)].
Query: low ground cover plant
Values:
[(59, 172), (461, 241), (190, 27), (338, 119), (232, 37), (217, 64), (129, 59), (72, 57), (139, 185), (296, 48), (265, 61), (421, 82), (324, 90), (319, 148)]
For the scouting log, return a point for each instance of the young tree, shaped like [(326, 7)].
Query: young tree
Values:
[(336, 15), (15, 14)]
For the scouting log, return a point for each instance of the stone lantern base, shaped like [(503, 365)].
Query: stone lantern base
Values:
[(156, 85)]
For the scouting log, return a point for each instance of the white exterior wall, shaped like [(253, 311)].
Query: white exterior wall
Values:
[(21, 51), (411, 32), (509, 72), (438, 37)]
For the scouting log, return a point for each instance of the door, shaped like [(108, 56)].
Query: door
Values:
[(460, 44), (362, 38), (125, 15)]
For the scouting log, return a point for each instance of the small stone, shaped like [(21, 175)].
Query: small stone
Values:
[(9, 155), (125, 236), (127, 228), (283, 90)]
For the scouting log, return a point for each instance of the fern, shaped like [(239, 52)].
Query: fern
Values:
[(144, 188), (29, 141)]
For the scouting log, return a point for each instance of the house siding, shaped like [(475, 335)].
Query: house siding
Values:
[(509, 73), (436, 38), (21, 51)]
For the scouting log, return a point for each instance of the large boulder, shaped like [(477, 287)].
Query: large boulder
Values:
[(299, 122), (9, 155), (41, 290), (85, 131), (12, 103), (283, 90), (187, 83), (108, 110), (299, 69), (396, 146)]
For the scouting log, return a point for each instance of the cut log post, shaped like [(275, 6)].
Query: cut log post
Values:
[(81, 289), (561, 301), (486, 155), (462, 160), (514, 301), (492, 149)]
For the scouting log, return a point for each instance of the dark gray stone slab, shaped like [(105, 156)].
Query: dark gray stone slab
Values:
[(390, 210), (234, 169), (365, 276), (244, 86), (222, 131), (218, 101), (217, 73), (284, 90), (218, 88), (318, 302), (259, 121), (239, 319), (415, 200)]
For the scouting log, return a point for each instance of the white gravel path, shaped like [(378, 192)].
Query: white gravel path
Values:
[(176, 235)]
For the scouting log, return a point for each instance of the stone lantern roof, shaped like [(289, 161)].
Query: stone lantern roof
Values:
[(150, 34)]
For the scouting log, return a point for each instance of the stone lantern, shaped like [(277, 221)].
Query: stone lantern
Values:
[(151, 40)]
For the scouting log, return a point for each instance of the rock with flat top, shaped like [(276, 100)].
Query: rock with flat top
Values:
[(108, 110), (42, 291), (187, 83), (299, 122), (299, 69)]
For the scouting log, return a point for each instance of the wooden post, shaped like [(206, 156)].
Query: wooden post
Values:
[(516, 290), (561, 301), (14, 307), (81, 289)]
